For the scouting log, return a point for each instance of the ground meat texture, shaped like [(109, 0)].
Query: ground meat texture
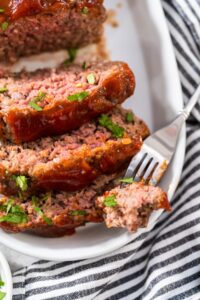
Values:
[(71, 161), (131, 206), (59, 213), (35, 26), (102, 86)]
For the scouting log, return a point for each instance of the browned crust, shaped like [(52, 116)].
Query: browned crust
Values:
[(23, 8), (32, 31), (79, 170), (26, 125)]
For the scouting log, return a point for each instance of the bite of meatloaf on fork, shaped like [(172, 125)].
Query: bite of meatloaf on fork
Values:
[(131, 206)]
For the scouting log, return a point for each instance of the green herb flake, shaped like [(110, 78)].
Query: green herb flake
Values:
[(91, 79), (116, 130), (110, 201), (129, 117), (35, 106), (39, 98), (78, 212), (47, 220), (4, 26), (84, 65), (127, 180), (72, 52), (9, 205), (41, 214), (21, 182), (85, 10), (2, 283), (17, 218), (2, 295), (14, 213), (78, 96), (38, 211), (2, 10), (3, 90)]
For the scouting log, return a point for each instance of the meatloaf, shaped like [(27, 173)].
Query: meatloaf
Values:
[(72, 161), (131, 206), (54, 214), (51, 102), (33, 26), (58, 214)]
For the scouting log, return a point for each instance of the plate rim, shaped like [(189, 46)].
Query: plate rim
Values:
[(60, 255), (7, 276)]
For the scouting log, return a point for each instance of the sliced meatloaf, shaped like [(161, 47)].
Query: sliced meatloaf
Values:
[(72, 161), (54, 214), (50, 102), (131, 206), (32, 26), (58, 214)]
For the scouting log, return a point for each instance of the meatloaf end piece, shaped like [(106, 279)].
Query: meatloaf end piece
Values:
[(51, 102), (31, 26), (54, 214), (131, 206), (71, 161)]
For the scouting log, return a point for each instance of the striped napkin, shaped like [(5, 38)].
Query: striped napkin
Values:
[(166, 264)]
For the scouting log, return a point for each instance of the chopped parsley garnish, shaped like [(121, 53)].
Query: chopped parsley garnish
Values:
[(40, 97), (72, 52), (14, 213), (35, 106), (9, 205), (91, 79), (3, 90), (116, 130), (47, 220), (1, 283), (2, 10), (78, 96), (2, 294), (129, 117), (78, 212), (110, 201), (41, 214), (85, 10), (21, 182), (127, 180), (4, 26), (84, 65)]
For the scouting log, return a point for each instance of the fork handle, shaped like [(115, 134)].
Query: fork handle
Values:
[(187, 110)]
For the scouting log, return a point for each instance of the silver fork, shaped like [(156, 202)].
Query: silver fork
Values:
[(157, 151)]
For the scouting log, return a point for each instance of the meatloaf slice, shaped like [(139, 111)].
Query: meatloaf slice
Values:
[(131, 206), (32, 26), (51, 102), (71, 161), (58, 214), (54, 214)]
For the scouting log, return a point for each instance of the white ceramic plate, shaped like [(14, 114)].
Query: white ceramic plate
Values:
[(6, 277), (142, 39)]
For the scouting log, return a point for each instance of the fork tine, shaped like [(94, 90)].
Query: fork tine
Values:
[(158, 172), (149, 172), (135, 164), (143, 167)]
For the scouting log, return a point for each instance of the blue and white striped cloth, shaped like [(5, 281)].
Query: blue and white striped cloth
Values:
[(166, 264)]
